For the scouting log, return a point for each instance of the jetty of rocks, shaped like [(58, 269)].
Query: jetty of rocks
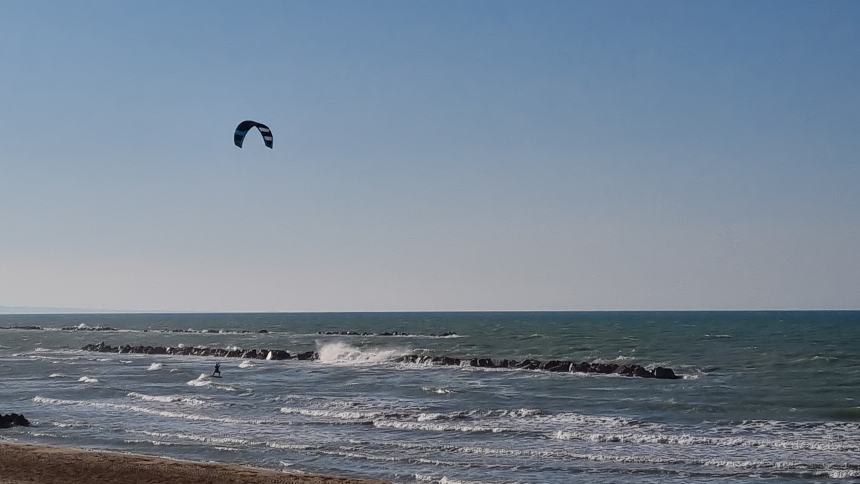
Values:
[(555, 366)]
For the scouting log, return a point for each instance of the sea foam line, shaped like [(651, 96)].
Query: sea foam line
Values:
[(147, 411)]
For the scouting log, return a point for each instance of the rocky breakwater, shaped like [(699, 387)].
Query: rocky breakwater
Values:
[(555, 366), (258, 354), (13, 420), (386, 333)]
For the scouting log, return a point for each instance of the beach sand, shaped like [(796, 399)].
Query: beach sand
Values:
[(32, 464)]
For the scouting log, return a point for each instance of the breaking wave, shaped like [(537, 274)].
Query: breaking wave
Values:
[(205, 380), (166, 398), (342, 353)]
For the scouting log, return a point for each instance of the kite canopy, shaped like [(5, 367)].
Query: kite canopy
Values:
[(245, 126)]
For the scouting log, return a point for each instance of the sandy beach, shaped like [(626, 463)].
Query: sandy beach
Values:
[(23, 463)]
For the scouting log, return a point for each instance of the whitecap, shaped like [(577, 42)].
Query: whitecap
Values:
[(87, 379), (337, 414), (166, 398), (436, 427), (205, 381), (154, 366), (440, 391)]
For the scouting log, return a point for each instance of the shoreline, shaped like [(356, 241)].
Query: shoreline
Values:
[(22, 463)]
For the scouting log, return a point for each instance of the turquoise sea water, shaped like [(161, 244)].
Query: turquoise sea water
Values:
[(766, 396)]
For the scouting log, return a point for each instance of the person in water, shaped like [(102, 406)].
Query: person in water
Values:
[(217, 371)]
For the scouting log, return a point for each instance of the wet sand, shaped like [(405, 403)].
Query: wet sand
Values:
[(32, 464)]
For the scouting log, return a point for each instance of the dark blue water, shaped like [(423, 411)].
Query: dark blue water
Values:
[(766, 396)]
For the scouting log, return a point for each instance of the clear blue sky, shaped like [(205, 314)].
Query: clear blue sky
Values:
[(430, 155)]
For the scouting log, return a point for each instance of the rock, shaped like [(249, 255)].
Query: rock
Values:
[(263, 331), (13, 420), (529, 364), (445, 360), (557, 366), (603, 368), (278, 355), (308, 355), (642, 372), (665, 373)]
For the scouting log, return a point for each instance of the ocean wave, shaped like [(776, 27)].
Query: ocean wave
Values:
[(69, 425), (342, 353), (195, 438), (86, 379), (246, 364), (786, 426), (686, 439), (166, 398), (775, 467), (220, 440), (336, 414), (154, 367), (146, 410), (436, 427), (441, 480), (439, 390), (205, 380)]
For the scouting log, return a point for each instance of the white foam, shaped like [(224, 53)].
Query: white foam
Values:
[(246, 364), (440, 391), (86, 379), (56, 375), (441, 480), (145, 410), (210, 439), (154, 366), (686, 439), (337, 414), (342, 353), (167, 398), (435, 427), (197, 438), (205, 381)]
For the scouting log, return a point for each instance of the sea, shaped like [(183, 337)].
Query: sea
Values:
[(770, 396)]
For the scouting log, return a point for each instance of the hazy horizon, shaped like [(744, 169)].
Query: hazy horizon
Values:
[(437, 156), (49, 311)]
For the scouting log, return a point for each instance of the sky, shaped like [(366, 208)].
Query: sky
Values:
[(430, 155)]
